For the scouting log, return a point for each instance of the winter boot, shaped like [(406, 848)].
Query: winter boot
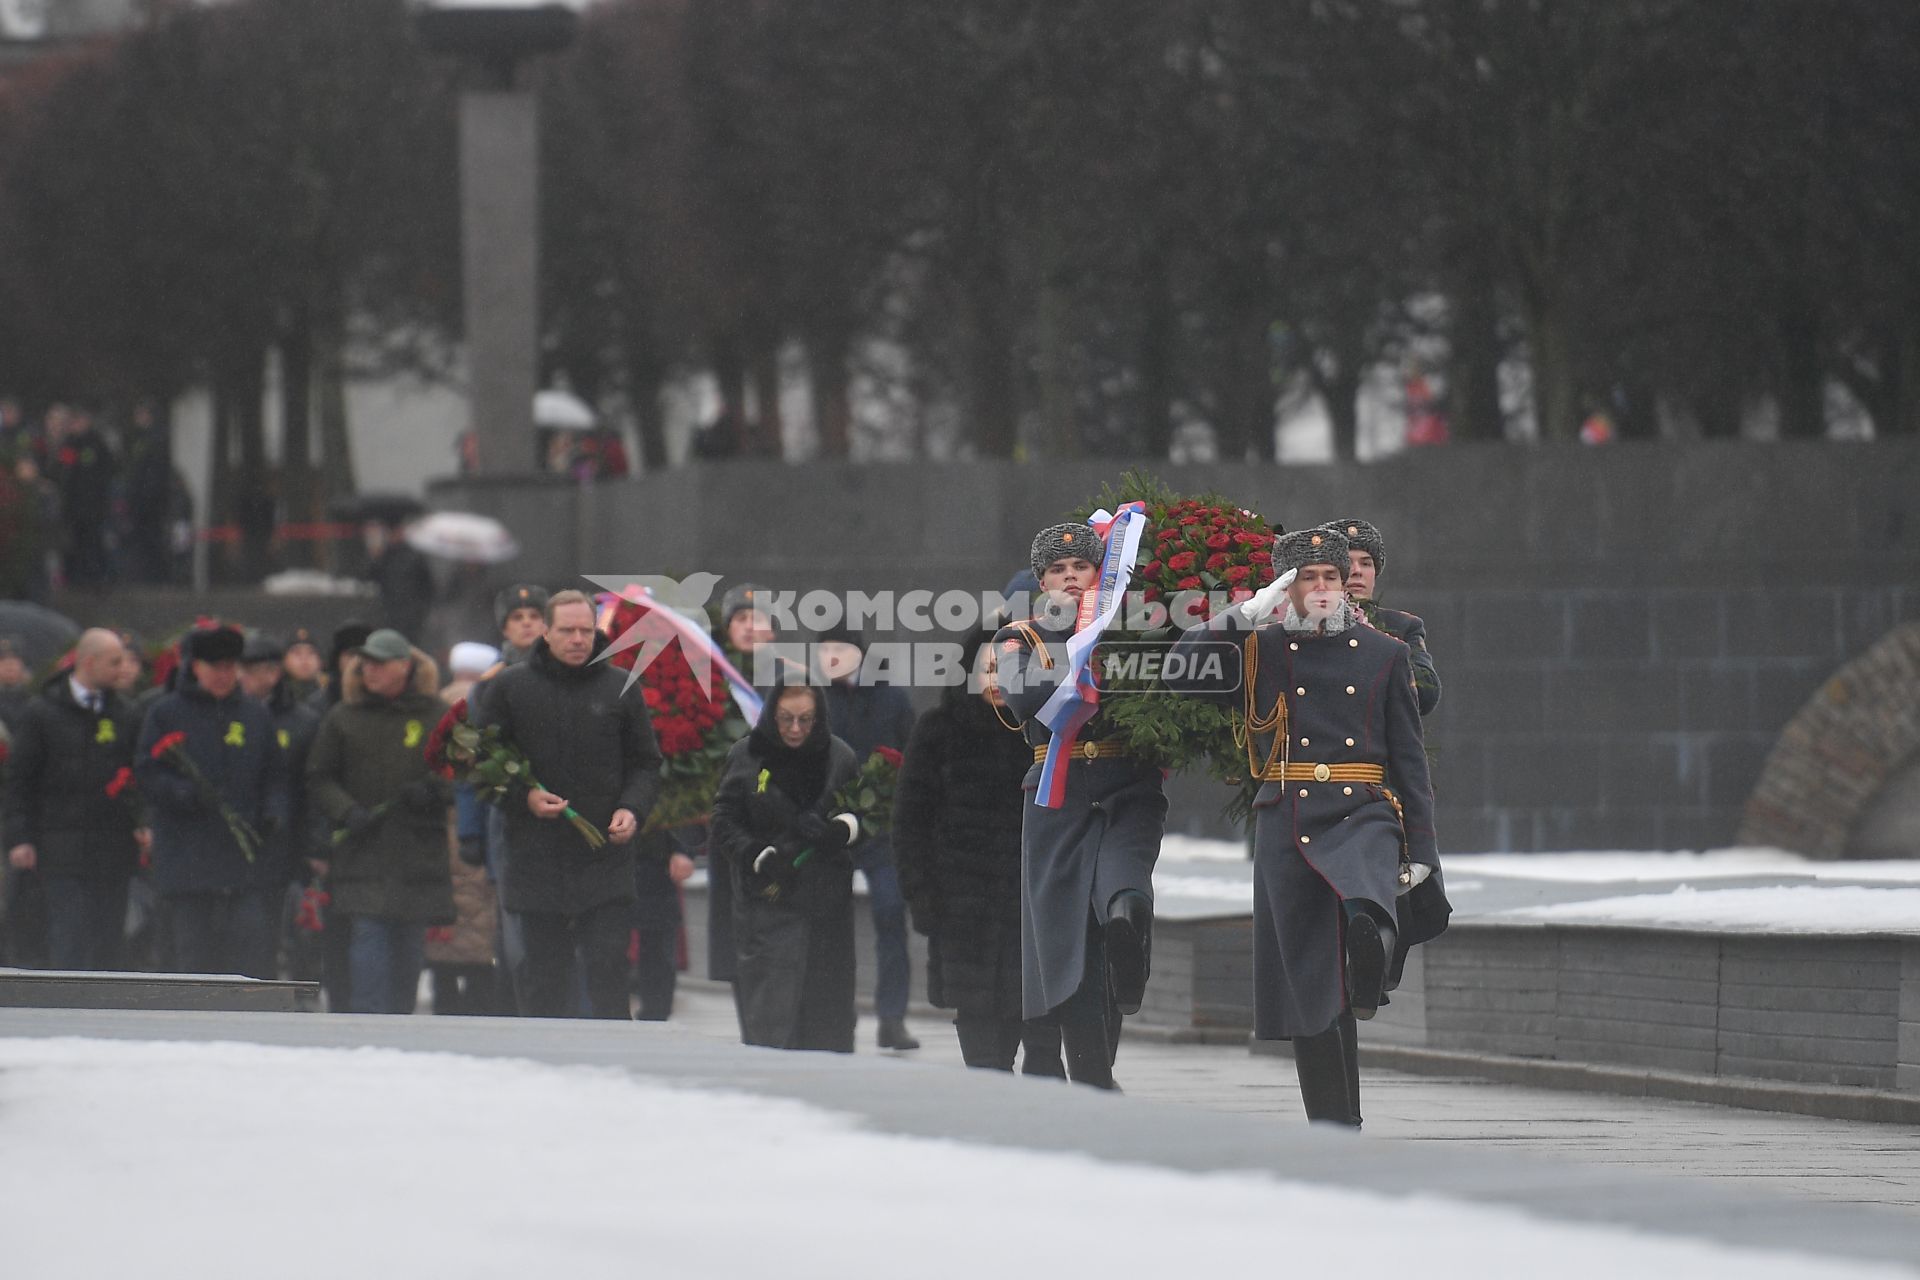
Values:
[(1369, 947), (1129, 947), (1321, 1063), (894, 1034), (1350, 1047)]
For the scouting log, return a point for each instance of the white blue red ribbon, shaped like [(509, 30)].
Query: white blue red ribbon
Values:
[(1074, 703), (745, 696)]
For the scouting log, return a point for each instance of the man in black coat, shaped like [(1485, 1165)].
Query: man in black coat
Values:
[(70, 805), (592, 744), (221, 904)]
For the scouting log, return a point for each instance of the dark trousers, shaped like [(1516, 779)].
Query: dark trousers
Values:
[(466, 989), (223, 932), (26, 920), (990, 1041), (892, 976), (656, 922), (86, 921), (546, 983), (385, 957)]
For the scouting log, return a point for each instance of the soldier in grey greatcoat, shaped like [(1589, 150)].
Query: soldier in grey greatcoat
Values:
[(1334, 738), (1086, 903), (1367, 559)]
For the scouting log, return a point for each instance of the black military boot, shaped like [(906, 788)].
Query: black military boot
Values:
[(1321, 1061), (1129, 947), (1369, 948), (1350, 1047), (894, 1034)]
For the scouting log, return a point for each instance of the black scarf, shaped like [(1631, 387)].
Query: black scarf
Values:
[(800, 773)]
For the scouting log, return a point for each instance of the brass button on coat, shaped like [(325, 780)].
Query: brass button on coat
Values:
[(1346, 791), (1301, 692), (1349, 688), (1349, 741), (1303, 742)]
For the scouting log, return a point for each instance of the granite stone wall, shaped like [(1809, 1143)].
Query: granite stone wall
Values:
[(1621, 632)]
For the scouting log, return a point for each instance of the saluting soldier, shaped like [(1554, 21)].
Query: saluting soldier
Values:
[(1333, 735), (1367, 559), (1086, 902)]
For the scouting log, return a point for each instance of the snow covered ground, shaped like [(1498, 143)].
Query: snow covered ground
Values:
[(1799, 909), (126, 1158), (1198, 877)]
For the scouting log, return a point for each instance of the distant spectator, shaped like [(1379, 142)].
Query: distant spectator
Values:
[(402, 574), (147, 484), (83, 468)]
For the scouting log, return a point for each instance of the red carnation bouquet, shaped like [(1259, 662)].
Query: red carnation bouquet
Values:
[(492, 766), (171, 750), (696, 723), (1200, 554), (868, 795)]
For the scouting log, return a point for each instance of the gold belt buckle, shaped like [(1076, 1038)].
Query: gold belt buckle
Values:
[(1321, 773), (1089, 750)]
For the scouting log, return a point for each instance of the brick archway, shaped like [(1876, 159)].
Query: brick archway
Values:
[(1856, 732)]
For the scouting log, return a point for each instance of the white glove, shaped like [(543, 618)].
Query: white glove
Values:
[(853, 826), (1267, 599), (1413, 874)]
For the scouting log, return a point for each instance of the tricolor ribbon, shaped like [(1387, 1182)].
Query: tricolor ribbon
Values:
[(745, 696), (1074, 703)]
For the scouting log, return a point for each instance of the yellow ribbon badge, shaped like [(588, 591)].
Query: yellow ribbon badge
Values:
[(104, 732), (415, 732), (236, 734)]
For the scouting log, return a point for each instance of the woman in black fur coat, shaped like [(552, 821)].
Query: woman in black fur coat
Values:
[(956, 837)]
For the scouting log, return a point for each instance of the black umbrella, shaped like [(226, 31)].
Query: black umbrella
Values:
[(38, 634), (387, 508)]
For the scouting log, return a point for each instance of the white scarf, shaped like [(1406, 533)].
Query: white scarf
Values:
[(1339, 620)]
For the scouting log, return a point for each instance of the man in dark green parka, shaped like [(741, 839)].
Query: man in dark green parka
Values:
[(369, 775)]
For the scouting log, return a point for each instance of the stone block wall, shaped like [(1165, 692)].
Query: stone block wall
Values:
[(1621, 632)]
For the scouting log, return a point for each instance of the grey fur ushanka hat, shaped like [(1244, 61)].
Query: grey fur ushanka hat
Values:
[(1057, 542), (1361, 536), (1303, 547)]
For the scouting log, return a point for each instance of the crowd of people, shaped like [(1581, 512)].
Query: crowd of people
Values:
[(88, 500), (274, 810)]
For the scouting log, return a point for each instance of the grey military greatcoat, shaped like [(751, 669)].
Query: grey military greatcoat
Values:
[(1105, 836), (1326, 840)]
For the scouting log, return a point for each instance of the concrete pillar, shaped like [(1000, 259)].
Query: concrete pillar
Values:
[(500, 228)]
